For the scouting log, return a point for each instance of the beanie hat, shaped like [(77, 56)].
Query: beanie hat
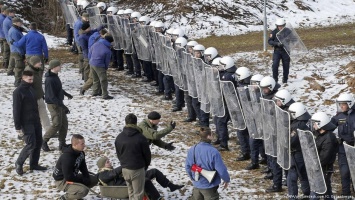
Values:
[(54, 63), (101, 162), (16, 19), (154, 115), (85, 26), (10, 10), (109, 38), (34, 60)]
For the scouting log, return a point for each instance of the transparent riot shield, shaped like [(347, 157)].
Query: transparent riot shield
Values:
[(312, 163), (192, 90), (166, 44), (214, 92), (205, 102), (145, 45), (198, 68), (94, 17), (151, 42), (283, 138), (292, 43), (180, 79), (269, 126), (248, 111), (255, 94), (350, 156), (233, 104), (113, 28), (74, 15), (134, 35), (157, 49), (173, 65), (64, 7), (128, 44)]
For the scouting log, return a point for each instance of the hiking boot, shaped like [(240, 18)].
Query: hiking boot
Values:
[(45, 147), (136, 76), (175, 109), (38, 167), (222, 148), (167, 97), (174, 187), (19, 169), (189, 120), (159, 93), (108, 97), (274, 189), (154, 84)]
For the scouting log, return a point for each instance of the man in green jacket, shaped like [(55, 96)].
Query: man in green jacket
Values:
[(150, 130)]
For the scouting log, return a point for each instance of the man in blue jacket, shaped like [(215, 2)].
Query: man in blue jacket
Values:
[(6, 25), (36, 45), (17, 53), (2, 37), (100, 55), (207, 157)]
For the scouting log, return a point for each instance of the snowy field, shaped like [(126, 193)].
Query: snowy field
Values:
[(100, 121)]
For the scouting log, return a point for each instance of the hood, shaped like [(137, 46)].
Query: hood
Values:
[(131, 130)]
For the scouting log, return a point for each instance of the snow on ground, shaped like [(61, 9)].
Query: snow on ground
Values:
[(100, 121)]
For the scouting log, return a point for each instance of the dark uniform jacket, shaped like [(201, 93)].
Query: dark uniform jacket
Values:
[(132, 148), (111, 177), (37, 81), (54, 93), (299, 123), (274, 41), (25, 108), (68, 166), (272, 93), (327, 146), (346, 125)]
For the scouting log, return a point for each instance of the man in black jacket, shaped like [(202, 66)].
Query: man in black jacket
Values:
[(113, 177), (66, 171), (27, 123), (54, 96), (133, 151)]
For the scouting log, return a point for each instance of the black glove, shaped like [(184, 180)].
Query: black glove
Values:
[(45, 60), (173, 124), (11, 42), (170, 146), (278, 44), (69, 96), (66, 109)]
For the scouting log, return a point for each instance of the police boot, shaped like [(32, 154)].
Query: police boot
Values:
[(274, 188), (45, 147), (175, 109), (252, 166), (19, 169), (243, 157)]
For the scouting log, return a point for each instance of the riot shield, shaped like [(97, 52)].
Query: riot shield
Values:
[(151, 42), (205, 102), (173, 64), (74, 15), (198, 68), (166, 45), (269, 126), (312, 163), (192, 90), (255, 94), (65, 11), (248, 112), (233, 104), (350, 156), (94, 17), (283, 138), (157, 49), (292, 43), (214, 92), (134, 35), (128, 45), (114, 29), (180, 79), (145, 45)]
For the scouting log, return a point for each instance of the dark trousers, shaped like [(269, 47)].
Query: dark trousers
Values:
[(6, 54), (33, 139), (344, 171), (204, 119), (149, 187), (243, 137), (179, 95), (297, 171), (190, 110), (70, 34), (148, 70), (328, 194), (277, 56), (169, 86), (196, 105), (222, 129), (256, 149), (129, 62), (114, 58), (120, 61), (155, 72), (276, 172), (137, 64), (161, 81)]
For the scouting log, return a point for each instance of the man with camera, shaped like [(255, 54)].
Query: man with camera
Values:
[(150, 131), (205, 167)]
